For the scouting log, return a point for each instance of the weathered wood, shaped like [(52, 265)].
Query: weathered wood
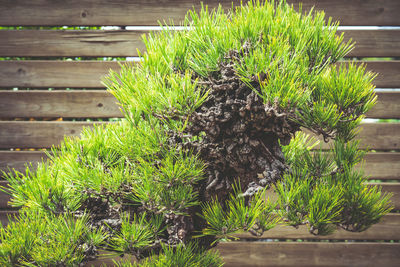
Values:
[(386, 187), (374, 136), (379, 165), (387, 106), (388, 73), (382, 165), (4, 214), (374, 43), (66, 104), (387, 229), (119, 43), (391, 188), (144, 12), (65, 43), (88, 74), (253, 254), (38, 134), (102, 104), (18, 160), (42, 73), (43, 134)]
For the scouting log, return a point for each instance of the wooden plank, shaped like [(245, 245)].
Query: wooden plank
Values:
[(393, 188), (387, 229), (374, 43), (144, 12), (43, 134), (4, 214), (102, 104), (38, 134), (119, 43), (44, 73), (388, 73), (387, 106), (65, 43), (386, 187), (18, 159), (253, 254), (88, 74), (66, 104), (381, 165), (378, 136)]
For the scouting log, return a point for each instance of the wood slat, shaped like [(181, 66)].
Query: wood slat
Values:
[(66, 104), (42, 73), (144, 12), (382, 165), (387, 106), (379, 165), (68, 43), (253, 254), (387, 229), (378, 136), (374, 43), (88, 74), (43, 134), (102, 104), (386, 187), (18, 159), (38, 134), (116, 43)]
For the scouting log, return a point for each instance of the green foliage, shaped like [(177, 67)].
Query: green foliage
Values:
[(254, 215), (38, 239), (134, 186), (183, 256)]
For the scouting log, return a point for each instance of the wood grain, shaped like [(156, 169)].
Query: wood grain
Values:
[(38, 134), (102, 104), (242, 254), (45, 73), (44, 134), (387, 229), (18, 160), (145, 12), (386, 187), (66, 104), (374, 43), (378, 136), (120, 43), (68, 43), (88, 74), (381, 165)]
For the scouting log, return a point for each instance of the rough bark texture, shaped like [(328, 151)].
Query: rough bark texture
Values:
[(241, 136)]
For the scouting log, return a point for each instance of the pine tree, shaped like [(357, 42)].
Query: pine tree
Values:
[(213, 119)]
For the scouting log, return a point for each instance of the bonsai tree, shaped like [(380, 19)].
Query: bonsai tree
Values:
[(214, 114)]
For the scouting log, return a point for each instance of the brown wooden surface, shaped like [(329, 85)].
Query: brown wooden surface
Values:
[(43, 73), (386, 187), (119, 43), (88, 74), (242, 254), (43, 134), (64, 43), (145, 12), (66, 104), (374, 43), (102, 104), (382, 165), (18, 159), (387, 229), (379, 136), (379, 165), (38, 134)]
